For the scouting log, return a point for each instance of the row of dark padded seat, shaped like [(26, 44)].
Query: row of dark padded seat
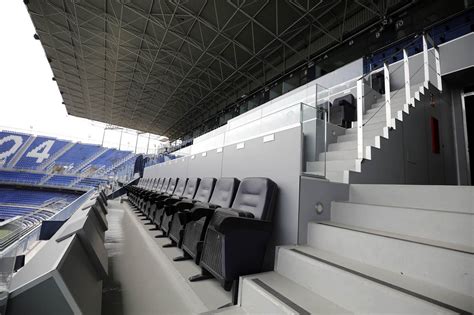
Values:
[(224, 225)]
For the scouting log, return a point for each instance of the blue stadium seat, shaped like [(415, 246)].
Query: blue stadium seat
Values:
[(20, 202), (78, 154), (47, 147), (60, 180), (31, 197), (109, 158), (20, 177), (10, 143), (90, 182), (8, 212)]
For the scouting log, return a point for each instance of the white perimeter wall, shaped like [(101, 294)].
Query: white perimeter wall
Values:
[(276, 156)]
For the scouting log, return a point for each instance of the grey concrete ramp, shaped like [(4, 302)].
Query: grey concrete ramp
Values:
[(144, 279)]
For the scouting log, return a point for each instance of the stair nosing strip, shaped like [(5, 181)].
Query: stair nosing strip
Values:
[(406, 207), (281, 297), (382, 282), (365, 231)]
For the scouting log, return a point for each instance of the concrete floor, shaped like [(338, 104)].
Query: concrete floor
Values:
[(143, 279)]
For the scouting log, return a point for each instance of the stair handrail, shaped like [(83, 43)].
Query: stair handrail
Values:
[(363, 96), (435, 52)]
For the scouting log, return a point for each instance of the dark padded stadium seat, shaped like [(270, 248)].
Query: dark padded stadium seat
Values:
[(104, 197), (162, 189), (134, 192), (142, 185), (146, 194), (170, 205), (343, 111), (175, 189), (167, 187), (132, 188), (203, 195), (196, 219), (137, 191), (143, 196), (237, 237)]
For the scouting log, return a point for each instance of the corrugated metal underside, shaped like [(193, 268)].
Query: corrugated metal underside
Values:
[(165, 65)]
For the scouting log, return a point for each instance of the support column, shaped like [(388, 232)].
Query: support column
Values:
[(406, 69), (360, 119), (388, 106)]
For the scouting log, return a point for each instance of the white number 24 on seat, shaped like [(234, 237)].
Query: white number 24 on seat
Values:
[(41, 151)]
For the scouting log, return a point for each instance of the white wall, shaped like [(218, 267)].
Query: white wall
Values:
[(279, 113), (278, 159)]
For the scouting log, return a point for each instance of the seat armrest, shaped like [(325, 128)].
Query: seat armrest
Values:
[(195, 214), (159, 197), (230, 224), (184, 204), (169, 209), (171, 200)]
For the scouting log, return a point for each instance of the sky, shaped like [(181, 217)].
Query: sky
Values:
[(30, 100)]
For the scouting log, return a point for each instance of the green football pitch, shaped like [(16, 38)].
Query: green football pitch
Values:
[(4, 232)]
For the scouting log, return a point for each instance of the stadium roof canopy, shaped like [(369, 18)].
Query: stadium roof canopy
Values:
[(158, 66)]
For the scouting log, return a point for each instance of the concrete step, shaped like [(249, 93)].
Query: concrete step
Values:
[(349, 145), (399, 95), (378, 117), (361, 288), (369, 127), (377, 114), (336, 165), (338, 155), (333, 176), (381, 108), (231, 310), (272, 293), (443, 226), (445, 198), (368, 134), (403, 255), (337, 176), (397, 101)]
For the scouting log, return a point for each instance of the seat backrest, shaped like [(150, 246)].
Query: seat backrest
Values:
[(152, 184), (205, 189), (256, 195), (157, 185), (147, 181), (180, 187), (191, 188), (172, 186), (165, 185), (224, 192)]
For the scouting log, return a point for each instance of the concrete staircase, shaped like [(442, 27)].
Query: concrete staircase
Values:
[(388, 249), (341, 156)]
